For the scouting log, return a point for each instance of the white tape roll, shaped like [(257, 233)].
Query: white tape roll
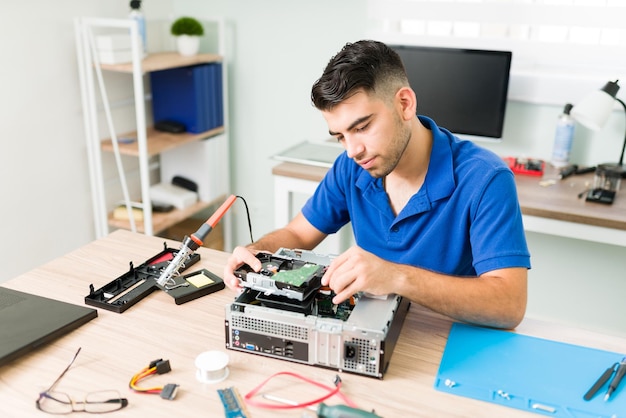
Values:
[(211, 366)]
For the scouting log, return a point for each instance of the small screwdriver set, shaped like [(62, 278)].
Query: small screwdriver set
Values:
[(526, 166), (138, 282)]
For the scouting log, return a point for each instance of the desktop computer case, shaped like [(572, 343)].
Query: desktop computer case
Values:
[(361, 344)]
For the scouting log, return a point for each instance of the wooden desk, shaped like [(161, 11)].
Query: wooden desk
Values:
[(116, 346), (554, 209)]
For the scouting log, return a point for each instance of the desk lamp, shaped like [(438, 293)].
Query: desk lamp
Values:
[(593, 112)]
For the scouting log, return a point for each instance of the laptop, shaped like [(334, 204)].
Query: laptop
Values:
[(28, 321), (320, 154)]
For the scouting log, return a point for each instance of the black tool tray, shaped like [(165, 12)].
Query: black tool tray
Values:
[(134, 285)]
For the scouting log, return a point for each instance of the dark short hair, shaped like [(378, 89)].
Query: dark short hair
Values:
[(365, 65)]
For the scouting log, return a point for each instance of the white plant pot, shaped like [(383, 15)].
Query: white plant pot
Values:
[(187, 44)]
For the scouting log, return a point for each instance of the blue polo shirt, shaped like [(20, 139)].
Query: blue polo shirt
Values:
[(464, 221)]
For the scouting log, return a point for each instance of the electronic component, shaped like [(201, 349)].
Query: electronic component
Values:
[(192, 242), (322, 410), (169, 126), (600, 195), (234, 406), (169, 391), (293, 278), (356, 336), (138, 282), (526, 166), (159, 366), (194, 285), (185, 183), (606, 183)]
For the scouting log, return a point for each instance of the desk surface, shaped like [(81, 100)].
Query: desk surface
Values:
[(557, 201), (116, 346)]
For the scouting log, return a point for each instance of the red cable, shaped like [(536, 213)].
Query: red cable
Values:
[(331, 391)]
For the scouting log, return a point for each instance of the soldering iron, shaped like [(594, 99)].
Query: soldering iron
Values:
[(192, 242)]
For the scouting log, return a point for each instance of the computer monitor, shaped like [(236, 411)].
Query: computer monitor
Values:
[(462, 90)]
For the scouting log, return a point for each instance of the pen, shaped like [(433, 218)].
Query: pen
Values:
[(621, 370)]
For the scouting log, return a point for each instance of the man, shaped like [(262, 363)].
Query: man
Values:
[(435, 219)]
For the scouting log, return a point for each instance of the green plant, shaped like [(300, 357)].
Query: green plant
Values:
[(186, 26)]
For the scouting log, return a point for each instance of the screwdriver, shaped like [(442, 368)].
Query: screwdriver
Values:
[(330, 411)]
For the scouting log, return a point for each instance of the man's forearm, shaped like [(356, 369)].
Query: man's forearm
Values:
[(487, 300), (281, 238), (273, 241)]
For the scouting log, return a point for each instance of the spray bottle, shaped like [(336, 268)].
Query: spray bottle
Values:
[(136, 14), (563, 138)]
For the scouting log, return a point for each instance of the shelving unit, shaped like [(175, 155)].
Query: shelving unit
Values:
[(158, 142), (148, 142)]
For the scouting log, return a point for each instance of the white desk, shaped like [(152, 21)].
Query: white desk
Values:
[(115, 346), (554, 210)]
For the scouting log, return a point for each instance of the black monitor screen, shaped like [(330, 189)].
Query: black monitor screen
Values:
[(462, 90)]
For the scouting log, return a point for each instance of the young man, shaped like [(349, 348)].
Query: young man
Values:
[(435, 219)]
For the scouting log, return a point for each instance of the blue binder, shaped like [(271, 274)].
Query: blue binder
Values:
[(188, 95), (218, 95), (537, 375)]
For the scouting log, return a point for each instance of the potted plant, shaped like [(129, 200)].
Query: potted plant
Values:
[(187, 31)]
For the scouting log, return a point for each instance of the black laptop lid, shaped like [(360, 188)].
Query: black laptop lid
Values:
[(28, 321)]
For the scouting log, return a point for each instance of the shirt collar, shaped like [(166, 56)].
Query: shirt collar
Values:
[(439, 181)]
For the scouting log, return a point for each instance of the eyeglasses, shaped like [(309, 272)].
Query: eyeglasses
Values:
[(95, 402)]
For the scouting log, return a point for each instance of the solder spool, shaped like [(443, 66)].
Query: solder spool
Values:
[(212, 366)]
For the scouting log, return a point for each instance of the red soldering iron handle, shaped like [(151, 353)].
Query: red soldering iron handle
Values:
[(199, 236), (221, 211)]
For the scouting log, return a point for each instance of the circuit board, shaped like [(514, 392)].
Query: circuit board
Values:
[(234, 406), (298, 276), (280, 276)]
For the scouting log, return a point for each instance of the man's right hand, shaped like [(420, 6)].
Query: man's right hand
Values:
[(239, 257)]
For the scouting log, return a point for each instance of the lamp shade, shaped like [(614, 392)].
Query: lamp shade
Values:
[(594, 110)]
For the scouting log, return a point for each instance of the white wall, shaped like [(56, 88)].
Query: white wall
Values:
[(46, 204), (280, 48)]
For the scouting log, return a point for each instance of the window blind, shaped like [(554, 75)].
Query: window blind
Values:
[(562, 49)]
